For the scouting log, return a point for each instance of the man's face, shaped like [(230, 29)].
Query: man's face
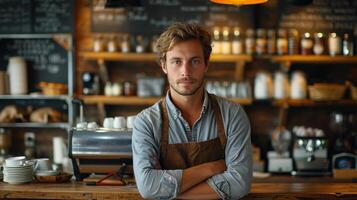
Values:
[(185, 67)]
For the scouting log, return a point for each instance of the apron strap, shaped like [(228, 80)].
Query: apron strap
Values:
[(219, 121), (164, 129)]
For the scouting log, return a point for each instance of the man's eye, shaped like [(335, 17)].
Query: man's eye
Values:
[(176, 62), (196, 61)]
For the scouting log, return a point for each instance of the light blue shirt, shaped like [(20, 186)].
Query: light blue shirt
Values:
[(152, 183)]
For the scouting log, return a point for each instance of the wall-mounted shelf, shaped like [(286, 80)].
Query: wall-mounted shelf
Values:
[(310, 102), (134, 100), (101, 57), (314, 59), (36, 125), (286, 61), (39, 97), (136, 57)]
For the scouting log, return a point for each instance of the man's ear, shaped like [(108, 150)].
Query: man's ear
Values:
[(163, 66)]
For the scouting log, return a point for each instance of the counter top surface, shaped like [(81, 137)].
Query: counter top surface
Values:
[(266, 190)]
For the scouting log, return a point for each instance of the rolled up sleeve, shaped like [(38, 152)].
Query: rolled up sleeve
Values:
[(152, 183), (235, 182)]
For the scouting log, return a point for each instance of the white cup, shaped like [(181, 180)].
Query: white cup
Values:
[(108, 122), (130, 121), (92, 126), (15, 161), (119, 122), (42, 164), (81, 125)]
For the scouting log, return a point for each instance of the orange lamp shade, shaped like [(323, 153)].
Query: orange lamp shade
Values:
[(239, 2)]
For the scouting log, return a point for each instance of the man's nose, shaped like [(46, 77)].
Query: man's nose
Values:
[(186, 69)]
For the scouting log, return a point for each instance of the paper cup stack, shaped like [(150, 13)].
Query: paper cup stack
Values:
[(17, 170)]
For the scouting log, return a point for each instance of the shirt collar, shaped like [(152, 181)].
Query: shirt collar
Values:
[(176, 112)]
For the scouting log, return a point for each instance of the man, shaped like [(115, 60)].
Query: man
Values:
[(191, 145)]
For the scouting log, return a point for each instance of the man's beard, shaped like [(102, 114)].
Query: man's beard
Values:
[(187, 93)]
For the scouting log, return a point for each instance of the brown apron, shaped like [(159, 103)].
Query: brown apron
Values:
[(185, 155)]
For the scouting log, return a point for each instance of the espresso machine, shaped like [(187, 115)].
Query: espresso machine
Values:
[(310, 152), (100, 151)]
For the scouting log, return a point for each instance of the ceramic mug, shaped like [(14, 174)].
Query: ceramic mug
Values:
[(42, 164), (119, 122)]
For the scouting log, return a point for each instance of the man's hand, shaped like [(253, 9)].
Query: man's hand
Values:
[(199, 173)]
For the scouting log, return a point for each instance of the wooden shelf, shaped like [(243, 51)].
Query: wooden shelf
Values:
[(139, 101), (309, 102), (117, 56), (152, 57), (119, 100), (314, 59), (144, 101)]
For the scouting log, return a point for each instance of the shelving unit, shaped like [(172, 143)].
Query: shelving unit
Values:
[(239, 60), (66, 42)]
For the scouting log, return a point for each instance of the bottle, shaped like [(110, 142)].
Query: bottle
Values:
[(140, 46), (261, 42), (282, 42), (347, 45), (293, 42), (334, 44), (112, 44), (98, 44), (271, 43), (125, 44), (237, 43), (216, 43), (153, 43), (250, 42), (306, 44), (319, 44), (226, 43)]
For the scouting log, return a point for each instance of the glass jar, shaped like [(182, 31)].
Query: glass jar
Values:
[(226, 43), (319, 44), (271, 43), (237, 43), (125, 44), (216, 43), (261, 42), (282, 42), (250, 42), (334, 44), (306, 44), (347, 45), (293, 42)]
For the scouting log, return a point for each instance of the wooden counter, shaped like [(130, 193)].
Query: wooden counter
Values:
[(311, 190)]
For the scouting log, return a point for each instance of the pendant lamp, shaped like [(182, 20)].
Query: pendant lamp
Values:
[(239, 2)]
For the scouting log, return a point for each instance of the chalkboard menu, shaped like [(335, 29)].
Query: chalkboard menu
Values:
[(154, 15), (36, 16), (46, 60), (319, 16)]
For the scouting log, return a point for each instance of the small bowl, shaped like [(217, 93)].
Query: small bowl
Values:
[(47, 173)]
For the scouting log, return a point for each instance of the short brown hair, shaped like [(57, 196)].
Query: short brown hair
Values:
[(179, 32)]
